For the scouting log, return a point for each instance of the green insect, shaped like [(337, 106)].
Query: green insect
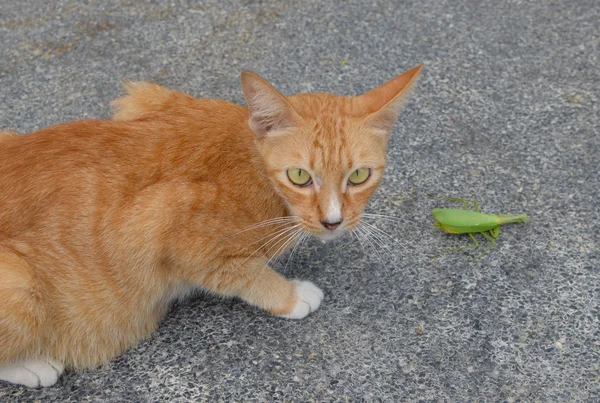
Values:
[(465, 221)]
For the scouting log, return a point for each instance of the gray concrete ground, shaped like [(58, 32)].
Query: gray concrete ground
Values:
[(506, 112)]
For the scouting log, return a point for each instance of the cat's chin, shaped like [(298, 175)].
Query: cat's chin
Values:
[(330, 235)]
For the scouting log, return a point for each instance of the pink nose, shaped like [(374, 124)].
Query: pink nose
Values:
[(331, 225)]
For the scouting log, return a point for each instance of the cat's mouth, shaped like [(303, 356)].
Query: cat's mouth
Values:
[(327, 234), (324, 234)]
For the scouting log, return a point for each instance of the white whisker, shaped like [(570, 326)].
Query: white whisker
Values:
[(266, 223), (302, 237), (286, 242), (390, 218), (382, 233), (277, 231), (283, 235), (379, 239), (278, 236), (288, 239), (357, 235), (365, 232)]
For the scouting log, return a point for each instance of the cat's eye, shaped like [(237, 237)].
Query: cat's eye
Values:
[(299, 177), (359, 176)]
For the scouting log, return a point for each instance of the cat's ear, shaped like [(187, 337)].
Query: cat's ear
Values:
[(270, 111), (384, 103)]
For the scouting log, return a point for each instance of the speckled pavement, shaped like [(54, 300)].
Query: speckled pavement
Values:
[(506, 112)]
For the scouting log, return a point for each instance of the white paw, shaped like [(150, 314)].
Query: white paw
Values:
[(32, 373), (309, 299)]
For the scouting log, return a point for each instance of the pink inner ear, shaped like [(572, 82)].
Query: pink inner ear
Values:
[(384, 103), (379, 97), (261, 125), (272, 113), (269, 109), (385, 118)]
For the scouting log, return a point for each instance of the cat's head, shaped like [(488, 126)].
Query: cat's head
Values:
[(325, 153)]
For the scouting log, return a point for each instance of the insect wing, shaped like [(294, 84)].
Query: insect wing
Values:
[(463, 221)]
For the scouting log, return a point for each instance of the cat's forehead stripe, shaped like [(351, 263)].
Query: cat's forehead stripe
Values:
[(329, 146)]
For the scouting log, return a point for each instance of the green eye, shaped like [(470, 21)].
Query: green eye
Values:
[(299, 177), (359, 176)]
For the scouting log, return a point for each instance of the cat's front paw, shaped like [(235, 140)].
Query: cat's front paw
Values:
[(32, 373), (308, 299)]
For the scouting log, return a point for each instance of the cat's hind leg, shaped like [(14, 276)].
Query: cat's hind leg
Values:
[(22, 317)]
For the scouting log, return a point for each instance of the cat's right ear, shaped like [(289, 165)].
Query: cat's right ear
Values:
[(384, 103), (270, 111)]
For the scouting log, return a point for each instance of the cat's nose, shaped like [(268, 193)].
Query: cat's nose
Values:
[(331, 225)]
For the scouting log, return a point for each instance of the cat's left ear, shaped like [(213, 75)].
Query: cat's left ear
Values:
[(270, 111), (384, 103)]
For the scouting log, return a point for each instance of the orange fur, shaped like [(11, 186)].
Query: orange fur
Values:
[(5, 135), (103, 223)]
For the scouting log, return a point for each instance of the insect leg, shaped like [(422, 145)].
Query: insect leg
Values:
[(489, 238), (475, 245), (463, 201), (495, 232)]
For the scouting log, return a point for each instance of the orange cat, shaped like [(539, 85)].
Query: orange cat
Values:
[(104, 223)]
